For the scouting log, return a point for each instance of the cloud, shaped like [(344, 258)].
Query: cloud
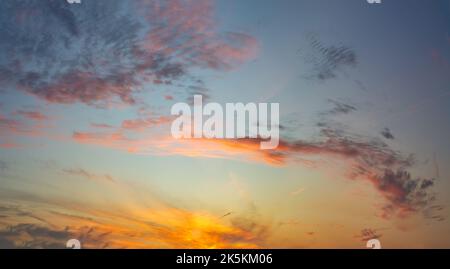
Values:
[(32, 115), (24, 123), (37, 231), (6, 244), (101, 125), (11, 126), (328, 60), (187, 29), (140, 219), (88, 175), (368, 234), (162, 227), (297, 192), (132, 135), (340, 108), (101, 51), (34, 236), (405, 195), (435, 213), (10, 146), (386, 133), (109, 139), (363, 158), (141, 124)]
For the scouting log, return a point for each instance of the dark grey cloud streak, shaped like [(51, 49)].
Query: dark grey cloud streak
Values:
[(386, 133), (327, 61), (339, 108)]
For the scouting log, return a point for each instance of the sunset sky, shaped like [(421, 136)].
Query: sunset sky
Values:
[(86, 150)]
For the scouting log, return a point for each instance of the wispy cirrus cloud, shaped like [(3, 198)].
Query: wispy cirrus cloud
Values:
[(340, 108), (328, 61), (137, 227), (147, 122), (89, 175), (41, 236), (21, 123), (32, 115), (368, 234), (386, 133), (105, 52)]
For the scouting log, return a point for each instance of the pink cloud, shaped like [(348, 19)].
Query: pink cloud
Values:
[(188, 30), (32, 115), (141, 124), (160, 42)]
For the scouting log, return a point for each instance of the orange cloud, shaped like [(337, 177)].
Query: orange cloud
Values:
[(365, 159), (141, 124), (11, 127)]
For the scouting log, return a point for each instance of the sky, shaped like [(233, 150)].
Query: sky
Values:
[(86, 150)]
